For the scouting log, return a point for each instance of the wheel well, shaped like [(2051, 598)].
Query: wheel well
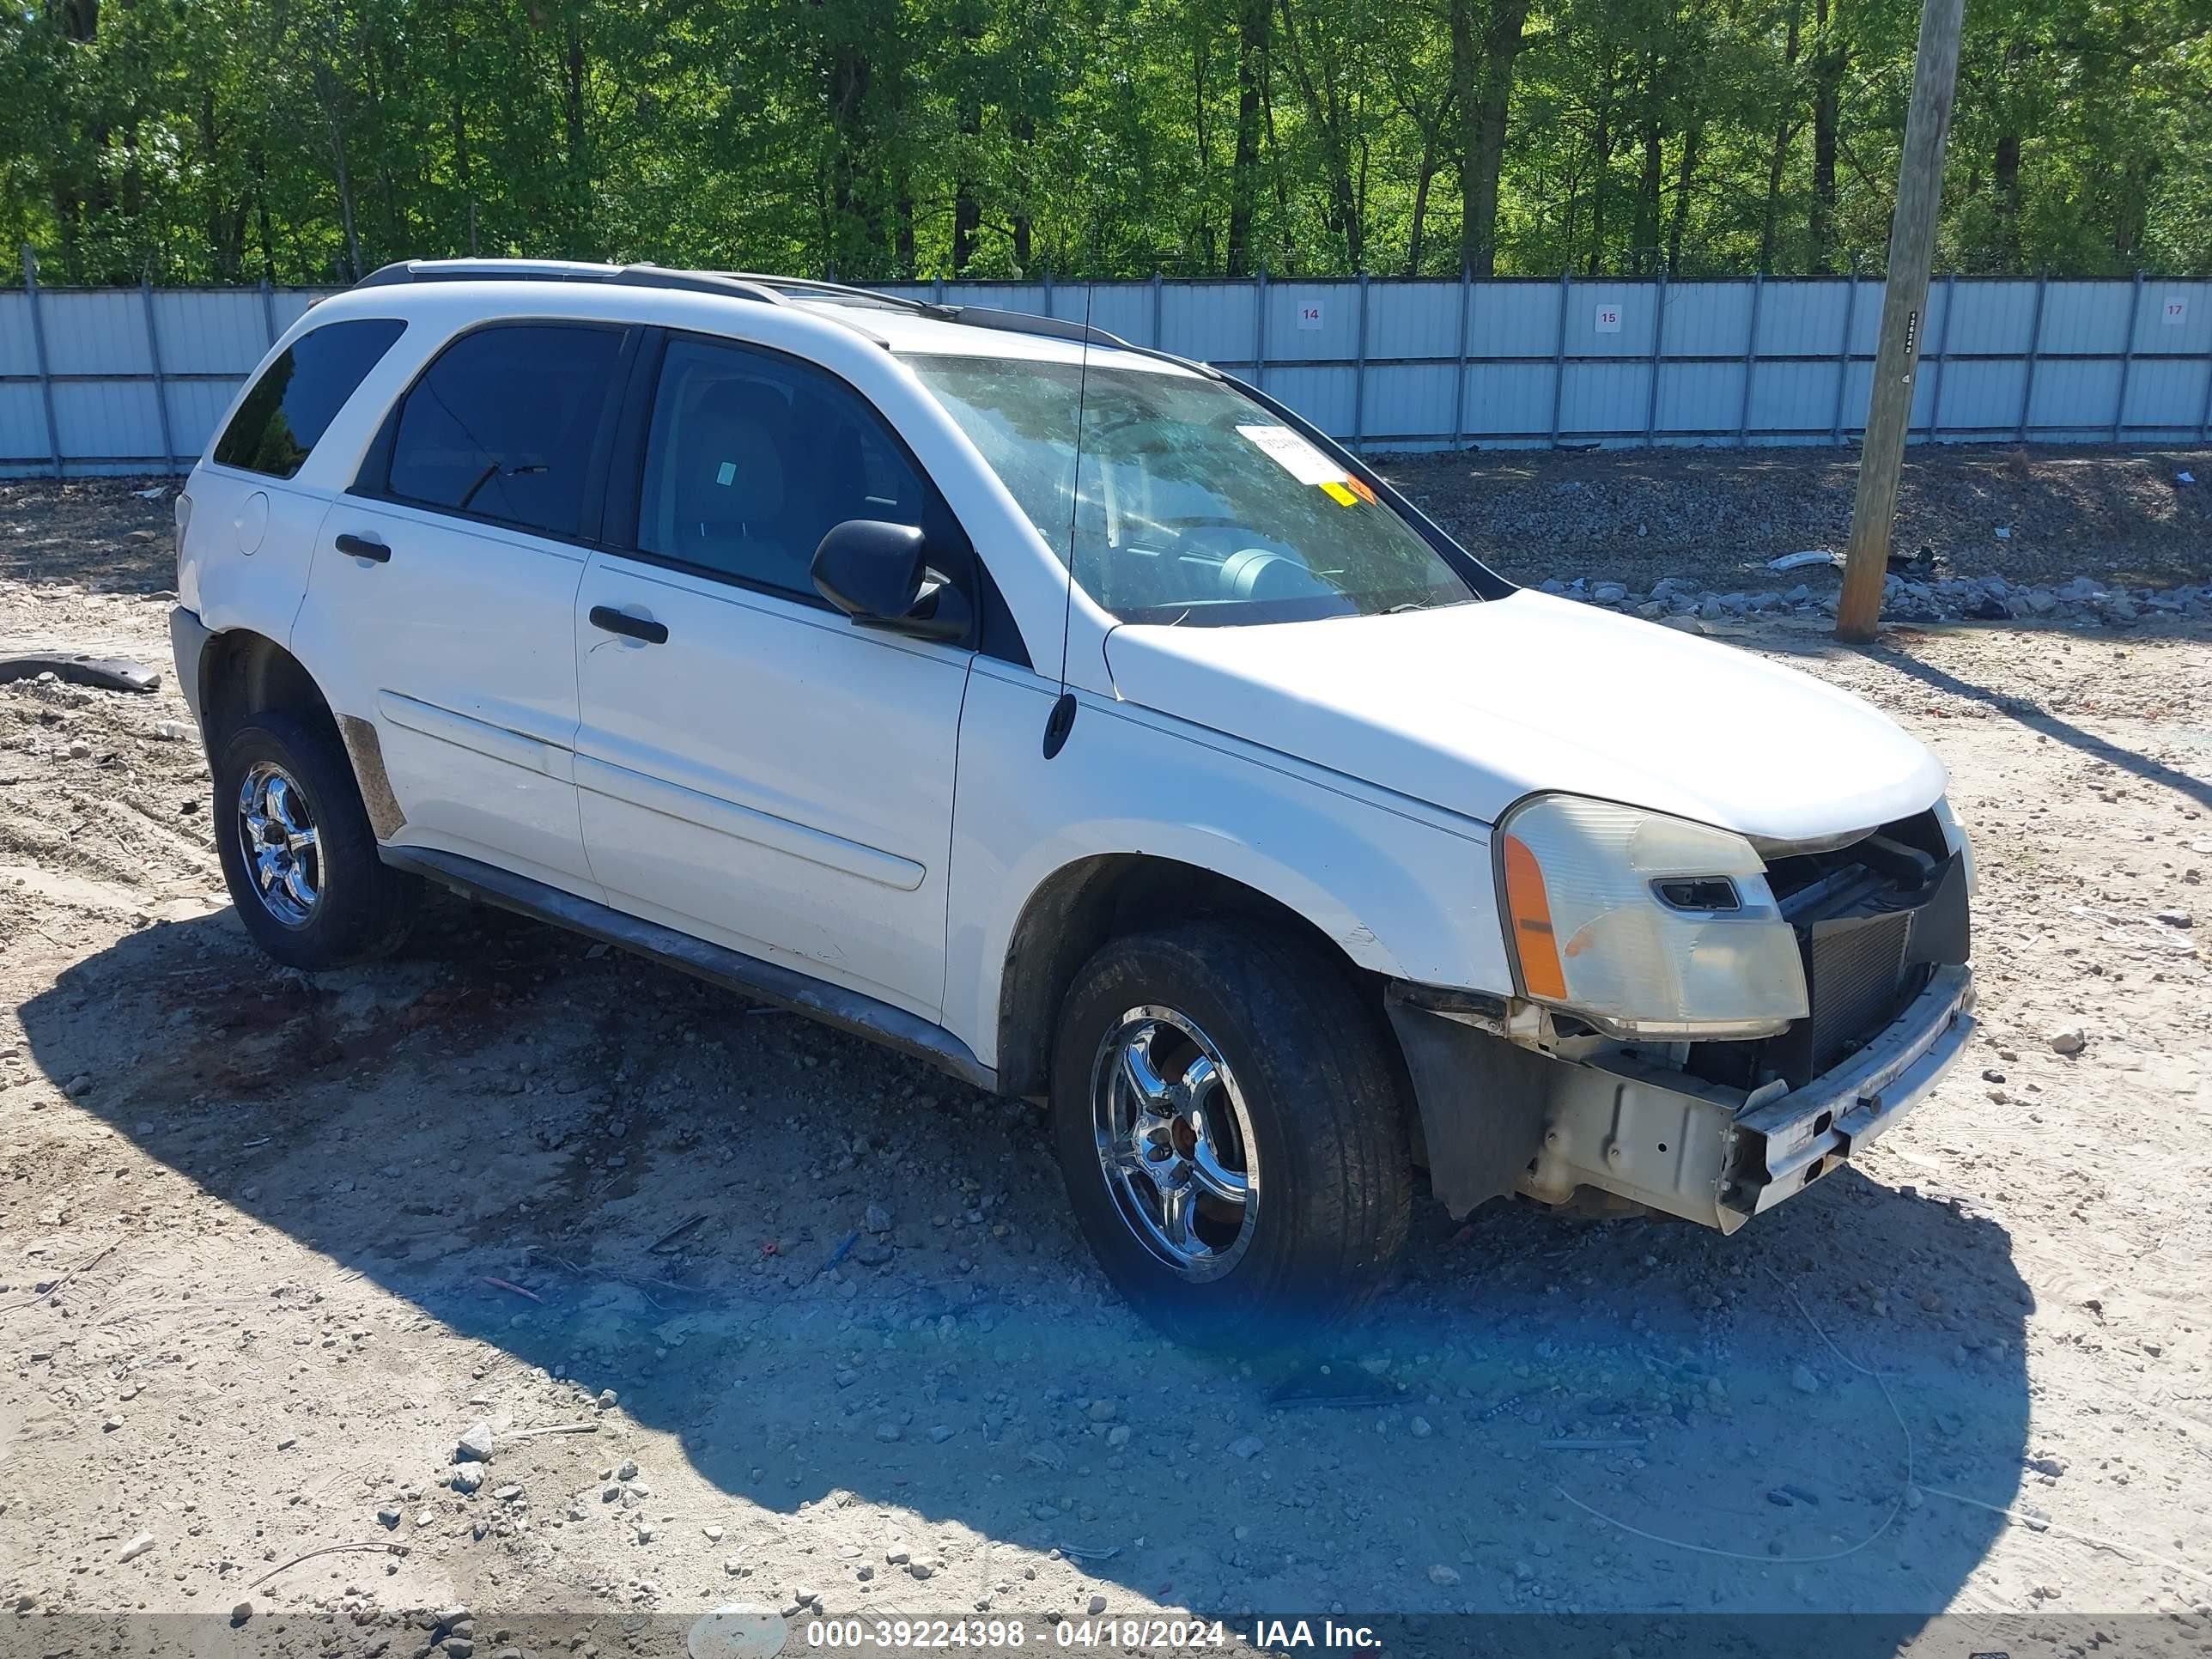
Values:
[(1079, 907), (243, 673)]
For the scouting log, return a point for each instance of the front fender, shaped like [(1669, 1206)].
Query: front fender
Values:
[(1403, 889)]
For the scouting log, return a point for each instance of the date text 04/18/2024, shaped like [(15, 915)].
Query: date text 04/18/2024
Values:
[(901, 1635)]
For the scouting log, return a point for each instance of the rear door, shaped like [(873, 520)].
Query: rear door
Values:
[(754, 768), (445, 590)]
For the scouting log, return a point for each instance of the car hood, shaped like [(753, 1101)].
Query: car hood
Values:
[(1471, 706)]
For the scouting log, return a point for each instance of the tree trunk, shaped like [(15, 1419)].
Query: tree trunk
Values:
[(1202, 135), (1483, 51), (1421, 181), (1644, 256), (967, 212), (2005, 167), (1252, 23), (1326, 109), (903, 227), (327, 94), (1829, 59), (1778, 157), (2131, 212), (257, 163), (1024, 131), (853, 229), (1601, 142), (574, 69), (1692, 141)]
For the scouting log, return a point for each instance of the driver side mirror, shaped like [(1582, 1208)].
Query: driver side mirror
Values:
[(878, 574)]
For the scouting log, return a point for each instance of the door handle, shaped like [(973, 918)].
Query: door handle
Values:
[(635, 628), (364, 547)]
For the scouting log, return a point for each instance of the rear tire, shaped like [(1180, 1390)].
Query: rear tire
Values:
[(1231, 1131), (297, 848)]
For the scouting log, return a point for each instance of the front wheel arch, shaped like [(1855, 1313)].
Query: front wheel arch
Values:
[(1083, 905)]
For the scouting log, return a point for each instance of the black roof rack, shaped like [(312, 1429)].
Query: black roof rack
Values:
[(563, 270), (752, 285)]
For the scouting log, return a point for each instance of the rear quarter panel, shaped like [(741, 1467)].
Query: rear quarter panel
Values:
[(248, 551)]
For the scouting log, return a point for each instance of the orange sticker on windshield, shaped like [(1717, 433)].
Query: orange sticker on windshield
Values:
[(1340, 494), (1361, 490)]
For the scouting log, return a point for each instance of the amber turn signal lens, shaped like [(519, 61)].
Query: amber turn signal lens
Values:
[(1541, 975)]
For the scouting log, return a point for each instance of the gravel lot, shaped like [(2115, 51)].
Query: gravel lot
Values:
[(809, 1320), (1715, 516)]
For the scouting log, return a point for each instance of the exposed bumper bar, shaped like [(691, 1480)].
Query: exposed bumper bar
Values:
[(1656, 1136), (1783, 1147)]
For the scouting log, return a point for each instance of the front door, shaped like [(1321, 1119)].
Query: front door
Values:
[(752, 766)]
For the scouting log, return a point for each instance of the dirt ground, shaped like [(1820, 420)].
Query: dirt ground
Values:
[(756, 1312)]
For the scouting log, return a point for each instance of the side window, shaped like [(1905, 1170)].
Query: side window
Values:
[(290, 407), (752, 458), (501, 425)]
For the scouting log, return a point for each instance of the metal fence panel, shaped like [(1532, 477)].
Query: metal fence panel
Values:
[(1798, 319), (2072, 394), (100, 332), (1700, 399), (22, 430), (1796, 397), (1509, 400), (1412, 319), (1212, 321), (108, 421), (1323, 396), (1388, 364), (1409, 401), (1601, 399), (1708, 320), (1513, 319), (2087, 317), (2165, 398), (18, 356), (205, 333), (195, 406), (1982, 397)]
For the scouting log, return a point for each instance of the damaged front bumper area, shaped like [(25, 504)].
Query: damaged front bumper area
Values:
[(1654, 1135), (1629, 1123)]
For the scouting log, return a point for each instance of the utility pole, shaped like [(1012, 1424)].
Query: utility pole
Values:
[(1904, 307)]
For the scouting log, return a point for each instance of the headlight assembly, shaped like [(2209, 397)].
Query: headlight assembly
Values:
[(1646, 926)]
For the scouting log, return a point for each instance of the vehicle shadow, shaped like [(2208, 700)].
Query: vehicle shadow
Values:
[(632, 1181)]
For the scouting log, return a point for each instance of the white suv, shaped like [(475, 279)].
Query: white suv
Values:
[(1074, 718)]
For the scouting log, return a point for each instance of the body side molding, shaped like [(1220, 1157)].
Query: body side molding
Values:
[(786, 988)]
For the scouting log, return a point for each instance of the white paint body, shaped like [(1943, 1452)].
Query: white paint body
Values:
[(875, 811)]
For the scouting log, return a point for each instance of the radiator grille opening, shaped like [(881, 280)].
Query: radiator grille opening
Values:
[(1874, 919), (1854, 973)]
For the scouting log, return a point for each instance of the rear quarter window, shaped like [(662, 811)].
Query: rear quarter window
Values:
[(290, 407)]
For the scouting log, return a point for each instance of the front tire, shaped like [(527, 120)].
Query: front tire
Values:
[(1231, 1131), (297, 848)]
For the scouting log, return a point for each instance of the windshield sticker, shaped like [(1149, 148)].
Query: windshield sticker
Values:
[(1339, 493), (1293, 454)]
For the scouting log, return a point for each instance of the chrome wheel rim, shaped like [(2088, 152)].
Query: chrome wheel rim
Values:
[(1175, 1142), (280, 844)]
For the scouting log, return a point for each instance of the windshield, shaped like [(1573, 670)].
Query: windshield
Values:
[(1194, 505)]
